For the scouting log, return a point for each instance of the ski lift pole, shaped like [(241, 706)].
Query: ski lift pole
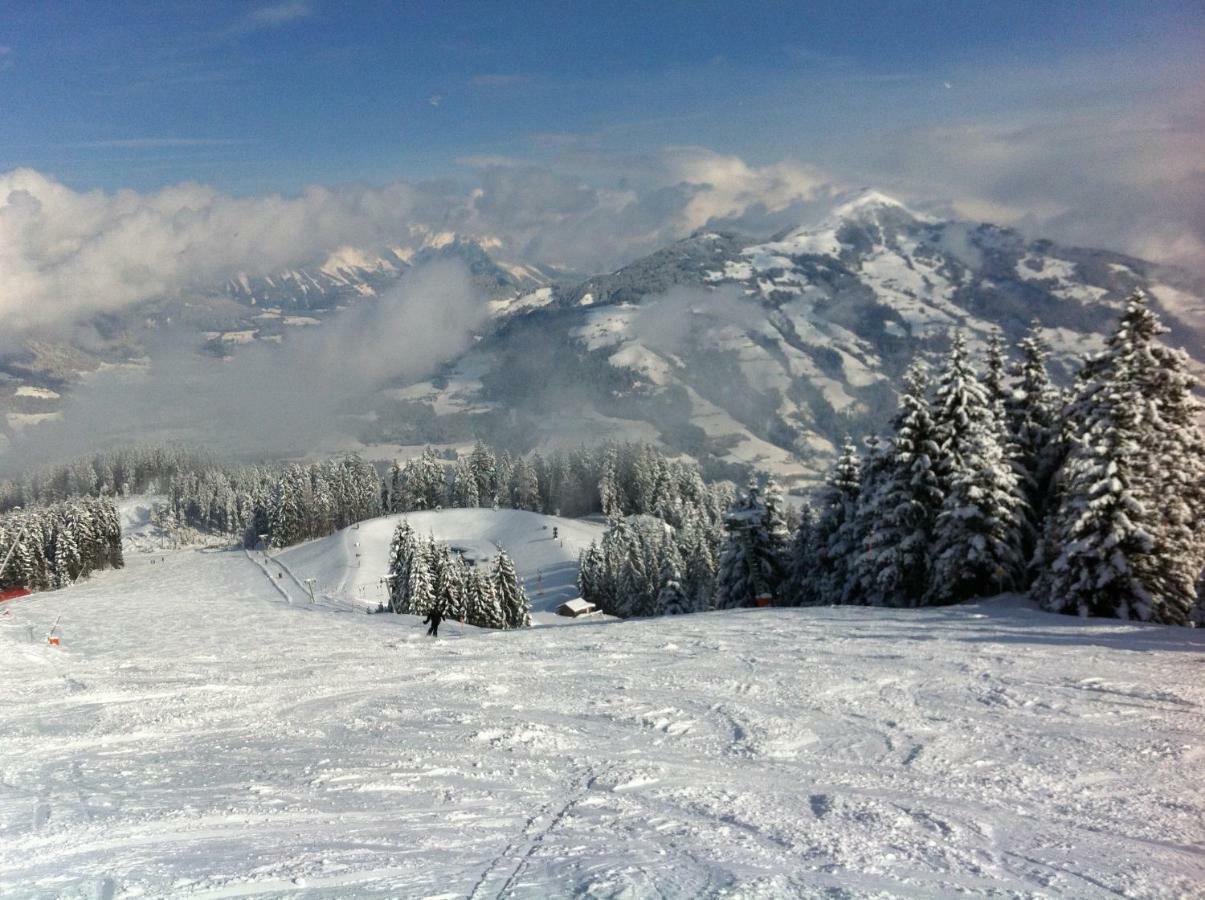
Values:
[(13, 549), (309, 583), (50, 635)]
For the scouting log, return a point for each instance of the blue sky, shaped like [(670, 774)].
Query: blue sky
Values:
[(255, 97)]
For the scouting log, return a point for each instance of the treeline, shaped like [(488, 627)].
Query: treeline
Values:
[(283, 504), (990, 480), (615, 479), (131, 470), (53, 546), (663, 564), (426, 576), (291, 503)]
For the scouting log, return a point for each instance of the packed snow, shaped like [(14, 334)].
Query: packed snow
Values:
[(348, 567), (197, 734)]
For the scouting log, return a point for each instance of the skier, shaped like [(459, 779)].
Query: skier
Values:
[(434, 617), (555, 531)]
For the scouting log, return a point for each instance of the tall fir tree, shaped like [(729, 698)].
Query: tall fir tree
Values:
[(834, 534), (1031, 414), (893, 567), (1128, 519), (516, 608), (977, 544)]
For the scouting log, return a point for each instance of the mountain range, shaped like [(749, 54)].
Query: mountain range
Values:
[(737, 351)]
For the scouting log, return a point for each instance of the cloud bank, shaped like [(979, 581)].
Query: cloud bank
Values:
[(1135, 184), (267, 398)]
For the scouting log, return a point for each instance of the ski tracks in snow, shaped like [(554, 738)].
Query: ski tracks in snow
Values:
[(196, 736)]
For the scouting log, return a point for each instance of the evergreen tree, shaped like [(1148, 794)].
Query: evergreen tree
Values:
[(1031, 413), (401, 554), (485, 469), (464, 486), (481, 602), (420, 593), (525, 487), (994, 382), (977, 548), (590, 574), (1127, 524), (754, 560), (892, 569), (516, 608), (834, 535)]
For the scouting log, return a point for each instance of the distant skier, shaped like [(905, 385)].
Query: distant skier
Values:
[(555, 531), (434, 617)]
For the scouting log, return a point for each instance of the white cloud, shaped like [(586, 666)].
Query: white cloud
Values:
[(275, 15), (65, 255)]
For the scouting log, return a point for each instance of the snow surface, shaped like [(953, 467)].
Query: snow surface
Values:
[(347, 567), (195, 735)]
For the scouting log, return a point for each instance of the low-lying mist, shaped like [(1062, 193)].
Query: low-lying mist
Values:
[(268, 399)]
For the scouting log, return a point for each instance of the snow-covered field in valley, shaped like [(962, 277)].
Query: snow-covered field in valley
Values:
[(197, 736)]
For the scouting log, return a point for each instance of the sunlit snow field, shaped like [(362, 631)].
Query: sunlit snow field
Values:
[(196, 735)]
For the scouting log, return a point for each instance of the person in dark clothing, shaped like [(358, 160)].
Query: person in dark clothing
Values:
[(434, 617)]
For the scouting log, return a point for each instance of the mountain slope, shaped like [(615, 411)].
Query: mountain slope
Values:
[(194, 736), (767, 353)]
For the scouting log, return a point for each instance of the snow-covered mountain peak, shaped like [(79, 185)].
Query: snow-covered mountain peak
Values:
[(865, 202), (857, 217)]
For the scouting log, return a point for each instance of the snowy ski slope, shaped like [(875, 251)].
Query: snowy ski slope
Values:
[(347, 567), (198, 736)]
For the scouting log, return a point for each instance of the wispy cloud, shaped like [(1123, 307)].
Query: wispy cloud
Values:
[(275, 15), (498, 79)]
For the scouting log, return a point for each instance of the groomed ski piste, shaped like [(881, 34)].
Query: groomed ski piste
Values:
[(203, 730)]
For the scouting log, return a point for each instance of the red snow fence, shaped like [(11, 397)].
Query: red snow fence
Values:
[(14, 593)]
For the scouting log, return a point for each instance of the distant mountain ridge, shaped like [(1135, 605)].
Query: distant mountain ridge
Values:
[(820, 322), (735, 350)]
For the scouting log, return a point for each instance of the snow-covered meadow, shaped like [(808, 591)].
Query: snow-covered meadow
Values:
[(196, 735)]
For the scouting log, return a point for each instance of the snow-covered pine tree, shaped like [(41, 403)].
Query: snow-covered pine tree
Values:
[(798, 590), (516, 608), (464, 486), (867, 515), (977, 538), (1127, 527), (448, 583), (420, 593), (397, 490), (673, 601), (960, 403), (1031, 414), (65, 558), (590, 575), (608, 488), (994, 367), (401, 553), (892, 569), (1102, 527), (636, 589), (699, 581), (834, 534), (754, 560), (524, 486), (481, 602), (485, 469), (977, 548)]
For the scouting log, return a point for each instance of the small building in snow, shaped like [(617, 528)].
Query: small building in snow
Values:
[(575, 608)]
